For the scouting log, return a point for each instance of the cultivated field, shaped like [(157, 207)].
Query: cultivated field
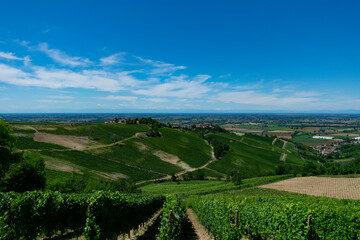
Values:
[(342, 188)]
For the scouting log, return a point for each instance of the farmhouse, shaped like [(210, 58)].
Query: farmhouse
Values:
[(323, 137)]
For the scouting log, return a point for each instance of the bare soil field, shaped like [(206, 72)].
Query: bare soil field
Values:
[(73, 142), (342, 188), (58, 165)]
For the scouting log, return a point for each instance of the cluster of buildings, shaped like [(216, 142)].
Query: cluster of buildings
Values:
[(204, 125), (327, 149), (116, 120)]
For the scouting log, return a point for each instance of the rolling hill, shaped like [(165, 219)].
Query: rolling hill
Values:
[(111, 151)]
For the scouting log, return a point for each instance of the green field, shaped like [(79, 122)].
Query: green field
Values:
[(304, 138), (186, 188)]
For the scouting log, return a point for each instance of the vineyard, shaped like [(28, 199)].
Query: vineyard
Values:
[(101, 215), (274, 217), (253, 213)]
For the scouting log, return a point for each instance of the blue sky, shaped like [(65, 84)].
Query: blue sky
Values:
[(179, 56)]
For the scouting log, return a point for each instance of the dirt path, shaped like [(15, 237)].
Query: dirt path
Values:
[(141, 232), (200, 230), (283, 157), (273, 142), (179, 174)]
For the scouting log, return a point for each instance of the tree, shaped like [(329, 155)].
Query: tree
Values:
[(18, 172), (27, 175), (174, 178), (7, 139)]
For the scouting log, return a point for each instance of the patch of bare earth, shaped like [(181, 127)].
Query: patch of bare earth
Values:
[(142, 147), (343, 188), (54, 164), (112, 176), (140, 135), (239, 134), (73, 142), (170, 158)]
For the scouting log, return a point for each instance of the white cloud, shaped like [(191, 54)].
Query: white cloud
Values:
[(257, 98), (307, 94), (157, 100), (62, 58), (123, 98), (113, 59), (60, 78), (256, 85), (178, 87), (54, 101), (160, 68), (61, 97), (9, 55), (225, 76)]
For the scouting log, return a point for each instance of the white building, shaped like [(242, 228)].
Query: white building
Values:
[(357, 139), (323, 137)]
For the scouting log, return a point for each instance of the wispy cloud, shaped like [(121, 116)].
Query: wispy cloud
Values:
[(160, 68), (113, 59), (264, 99), (12, 56), (150, 84), (65, 78), (62, 58), (157, 100), (122, 98), (180, 87), (9, 56), (225, 76), (256, 85), (54, 101)]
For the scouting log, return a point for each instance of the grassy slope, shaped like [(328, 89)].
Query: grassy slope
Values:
[(251, 161), (102, 133), (252, 155), (136, 163), (29, 143), (188, 146)]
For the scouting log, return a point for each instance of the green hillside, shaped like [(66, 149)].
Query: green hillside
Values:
[(253, 155), (110, 151)]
